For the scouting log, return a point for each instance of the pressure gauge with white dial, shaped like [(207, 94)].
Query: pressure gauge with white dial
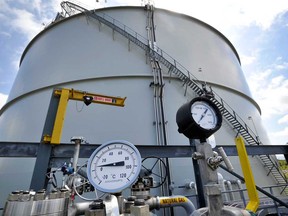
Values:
[(204, 115), (114, 166), (199, 118)]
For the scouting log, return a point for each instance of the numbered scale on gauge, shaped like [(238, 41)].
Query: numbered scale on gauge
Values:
[(204, 114), (114, 166), (199, 118)]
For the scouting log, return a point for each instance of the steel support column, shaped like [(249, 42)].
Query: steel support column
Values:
[(198, 179), (39, 179)]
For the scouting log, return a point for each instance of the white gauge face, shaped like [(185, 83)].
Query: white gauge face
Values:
[(114, 166), (204, 115)]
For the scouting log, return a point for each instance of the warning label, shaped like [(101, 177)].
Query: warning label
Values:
[(168, 201), (103, 99)]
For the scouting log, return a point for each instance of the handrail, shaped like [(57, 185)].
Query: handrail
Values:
[(240, 120), (237, 123), (257, 187), (158, 52)]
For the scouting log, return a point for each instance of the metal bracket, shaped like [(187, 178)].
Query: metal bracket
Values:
[(214, 161)]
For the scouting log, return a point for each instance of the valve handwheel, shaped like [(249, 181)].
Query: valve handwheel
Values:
[(156, 168)]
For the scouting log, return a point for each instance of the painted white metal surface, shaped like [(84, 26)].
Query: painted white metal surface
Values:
[(81, 54)]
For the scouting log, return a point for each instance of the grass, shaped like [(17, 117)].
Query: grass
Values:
[(284, 167)]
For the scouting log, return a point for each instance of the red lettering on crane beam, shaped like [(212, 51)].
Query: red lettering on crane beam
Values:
[(103, 99)]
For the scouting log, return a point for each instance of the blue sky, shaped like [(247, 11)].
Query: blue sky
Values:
[(258, 30)]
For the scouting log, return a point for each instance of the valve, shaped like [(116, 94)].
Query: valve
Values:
[(140, 208), (96, 208), (67, 169), (214, 161)]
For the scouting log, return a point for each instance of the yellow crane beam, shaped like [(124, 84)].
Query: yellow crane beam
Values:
[(70, 94), (97, 98)]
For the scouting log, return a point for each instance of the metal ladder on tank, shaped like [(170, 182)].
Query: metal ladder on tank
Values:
[(189, 80)]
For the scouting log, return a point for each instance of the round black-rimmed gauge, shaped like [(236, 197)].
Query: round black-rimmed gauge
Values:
[(114, 166), (199, 118)]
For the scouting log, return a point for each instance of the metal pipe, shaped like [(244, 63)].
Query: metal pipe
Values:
[(158, 85), (225, 158), (78, 208), (229, 186), (238, 182), (257, 187), (172, 201), (256, 132), (77, 141), (248, 175), (111, 205), (222, 185)]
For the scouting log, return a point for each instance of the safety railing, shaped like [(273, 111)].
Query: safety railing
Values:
[(174, 67)]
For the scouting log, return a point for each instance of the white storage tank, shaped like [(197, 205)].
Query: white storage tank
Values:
[(81, 53)]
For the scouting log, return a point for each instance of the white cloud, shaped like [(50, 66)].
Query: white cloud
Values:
[(226, 13), (247, 60), (270, 92), (27, 18), (20, 20), (283, 120), (222, 14), (6, 34), (281, 66), (3, 99), (242, 13), (26, 23), (282, 136)]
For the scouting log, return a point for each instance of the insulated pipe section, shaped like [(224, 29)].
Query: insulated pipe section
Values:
[(77, 141), (225, 159), (172, 201)]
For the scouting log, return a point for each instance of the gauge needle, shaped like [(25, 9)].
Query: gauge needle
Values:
[(202, 116), (120, 163)]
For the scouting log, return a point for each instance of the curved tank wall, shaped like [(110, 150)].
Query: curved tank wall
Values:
[(81, 54)]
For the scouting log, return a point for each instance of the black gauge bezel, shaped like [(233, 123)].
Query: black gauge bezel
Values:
[(188, 126)]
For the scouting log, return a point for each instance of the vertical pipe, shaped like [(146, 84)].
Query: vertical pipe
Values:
[(76, 152), (229, 186), (158, 102), (257, 187), (222, 185), (238, 182), (248, 175)]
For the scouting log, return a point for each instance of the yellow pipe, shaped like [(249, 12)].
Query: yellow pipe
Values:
[(248, 175)]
